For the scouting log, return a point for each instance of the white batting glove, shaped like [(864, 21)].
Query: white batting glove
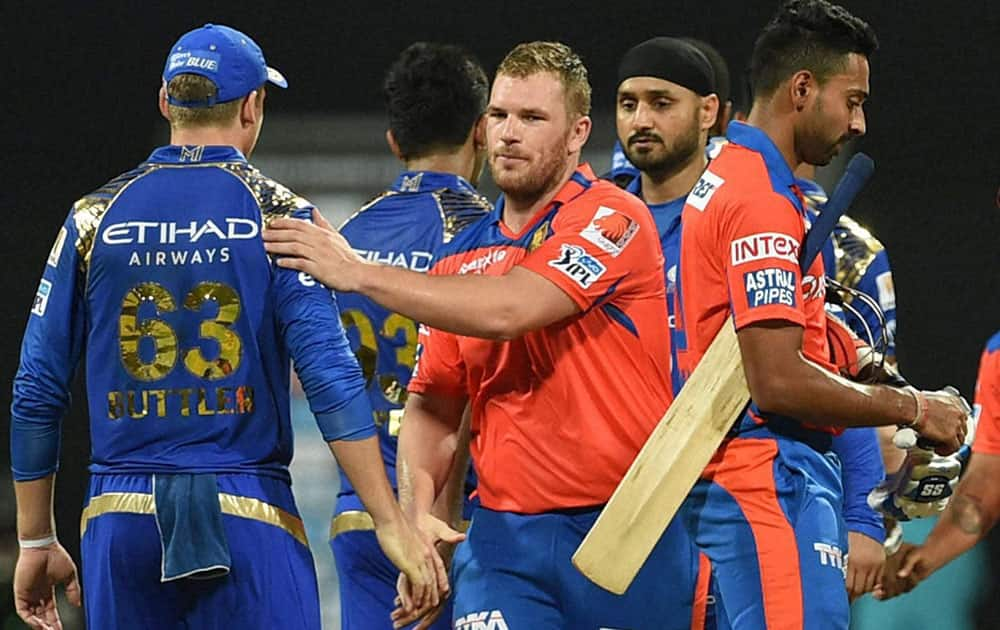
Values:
[(923, 485)]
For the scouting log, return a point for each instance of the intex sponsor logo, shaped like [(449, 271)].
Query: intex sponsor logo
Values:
[(486, 620), (479, 265), (764, 245), (166, 233)]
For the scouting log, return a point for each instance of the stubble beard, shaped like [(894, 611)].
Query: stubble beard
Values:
[(532, 183), (673, 157)]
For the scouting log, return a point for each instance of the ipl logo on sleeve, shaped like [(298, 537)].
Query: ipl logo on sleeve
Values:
[(575, 262), (41, 298)]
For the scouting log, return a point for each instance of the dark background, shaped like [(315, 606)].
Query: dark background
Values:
[(79, 106)]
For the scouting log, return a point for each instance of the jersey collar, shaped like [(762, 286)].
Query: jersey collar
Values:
[(581, 179), (425, 181), (184, 154), (782, 179)]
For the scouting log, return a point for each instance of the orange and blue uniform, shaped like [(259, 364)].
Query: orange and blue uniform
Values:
[(988, 400), (767, 509), (558, 414)]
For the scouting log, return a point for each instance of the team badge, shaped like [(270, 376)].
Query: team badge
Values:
[(610, 230)]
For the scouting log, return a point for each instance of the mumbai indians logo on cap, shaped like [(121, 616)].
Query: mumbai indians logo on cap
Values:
[(199, 59)]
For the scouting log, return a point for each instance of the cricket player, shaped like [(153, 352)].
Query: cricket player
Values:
[(435, 97), (549, 318), (161, 279), (661, 131), (767, 510), (975, 507)]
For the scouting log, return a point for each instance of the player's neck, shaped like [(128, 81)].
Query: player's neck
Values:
[(778, 127), (458, 162), (215, 136), (519, 211), (658, 188)]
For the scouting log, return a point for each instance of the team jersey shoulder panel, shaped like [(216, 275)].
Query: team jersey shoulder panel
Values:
[(855, 249), (89, 211), (274, 199)]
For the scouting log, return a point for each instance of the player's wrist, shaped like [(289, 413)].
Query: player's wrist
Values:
[(43, 541), (919, 413)]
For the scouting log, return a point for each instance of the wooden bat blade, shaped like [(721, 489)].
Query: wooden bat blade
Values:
[(666, 468)]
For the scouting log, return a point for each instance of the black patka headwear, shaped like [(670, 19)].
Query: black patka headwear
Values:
[(670, 59)]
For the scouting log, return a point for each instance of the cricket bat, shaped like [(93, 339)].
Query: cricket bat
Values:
[(682, 444)]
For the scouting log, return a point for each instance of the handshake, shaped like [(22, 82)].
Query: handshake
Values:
[(925, 482)]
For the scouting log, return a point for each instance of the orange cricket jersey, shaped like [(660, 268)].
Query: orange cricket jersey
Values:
[(988, 400), (559, 414), (743, 225)]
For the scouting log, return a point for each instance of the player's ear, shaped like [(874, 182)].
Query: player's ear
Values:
[(162, 101), (801, 89), (579, 134), (709, 111), (390, 139), (250, 109), (479, 133)]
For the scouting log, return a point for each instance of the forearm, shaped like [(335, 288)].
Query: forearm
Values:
[(808, 392), (448, 504), (473, 305), (970, 515), (427, 446), (361, 461), (35, 516)]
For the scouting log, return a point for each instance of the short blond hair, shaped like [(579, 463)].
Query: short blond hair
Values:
[(534, 57), (193, 88)]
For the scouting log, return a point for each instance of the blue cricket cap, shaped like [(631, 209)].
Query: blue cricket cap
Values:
[(226, 57)]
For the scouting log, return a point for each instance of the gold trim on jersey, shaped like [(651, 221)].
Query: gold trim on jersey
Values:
[(231, 504), (854, 252), (360, 521)]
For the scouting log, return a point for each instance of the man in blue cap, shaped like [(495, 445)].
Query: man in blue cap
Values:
[(189, 328)]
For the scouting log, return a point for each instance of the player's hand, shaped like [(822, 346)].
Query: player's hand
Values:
[(865, 562), (426, 615), (443, 538), (35, 577), (945, 421), (903, 571), (417, 560), (316, 249), (922, 486)]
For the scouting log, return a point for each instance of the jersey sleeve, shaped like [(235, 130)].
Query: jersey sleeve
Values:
[(862, 470), (877, 283), (440, 368), (309, 323), (760, 239), (596, 247), (987, 401), (50, 351)]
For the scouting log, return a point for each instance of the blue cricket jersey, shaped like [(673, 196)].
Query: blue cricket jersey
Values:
[(404, 226), (668, 223), (856, 259), (161, 277)]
